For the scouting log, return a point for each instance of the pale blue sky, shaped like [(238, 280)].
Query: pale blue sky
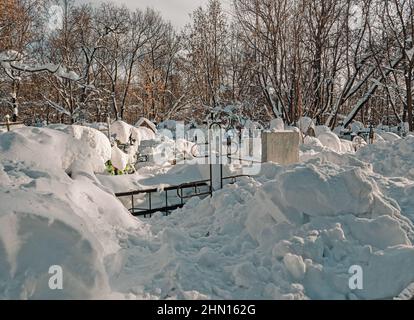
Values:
[(175, 10)]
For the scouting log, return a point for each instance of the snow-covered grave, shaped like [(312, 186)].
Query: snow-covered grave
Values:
[(289, 232)]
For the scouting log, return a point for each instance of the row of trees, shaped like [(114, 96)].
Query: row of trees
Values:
[(332, 60)]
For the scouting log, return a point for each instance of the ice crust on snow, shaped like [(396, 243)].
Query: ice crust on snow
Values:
[(290, 233)]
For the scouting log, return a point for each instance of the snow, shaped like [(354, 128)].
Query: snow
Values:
[(146, 134), (365, 230), (58, 108), (79, 148), (391, 159), (321, 129), (359, 143), (11, 59), (356, 126), (54, 219), (277, 125), (331, 141), (389, 136), (379, 138), (289, 233), (119, 159), (313, 142), (295, 265), (145, 121), (306, 123), (121, 131), (91, 146), (10, 55), (347, 146), (337, 192), (61, 72), (249, 242)]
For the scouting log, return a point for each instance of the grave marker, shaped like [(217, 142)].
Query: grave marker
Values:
[(280, 147)]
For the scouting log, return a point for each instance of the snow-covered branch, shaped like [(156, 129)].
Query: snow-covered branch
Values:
[(12, 60), (370, 93)]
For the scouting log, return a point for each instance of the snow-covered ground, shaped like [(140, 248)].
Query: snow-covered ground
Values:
[(289, 233)]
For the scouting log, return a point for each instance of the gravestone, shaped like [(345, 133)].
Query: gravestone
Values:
[(280, 147)]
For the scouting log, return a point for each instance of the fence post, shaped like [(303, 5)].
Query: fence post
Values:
[(8, 122), (108, 121)]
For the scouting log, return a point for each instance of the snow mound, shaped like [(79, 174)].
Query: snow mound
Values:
[(309, 191), (313, 142), (331, 141), (145, 122), (32, 240), (321, 129), (70, 148), (326, 141), (290, 233), (305, 124), (378, 138), (121, 131), (389, 136), (146, 134), (347, 146), (357, 126), (293, 233), (277, 125), (49, 218), (391, 159), (119, 159), (90, 145)]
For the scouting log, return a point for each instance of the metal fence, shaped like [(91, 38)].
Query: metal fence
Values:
[(188, 190)]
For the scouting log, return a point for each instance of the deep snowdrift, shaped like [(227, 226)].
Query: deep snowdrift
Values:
[(291, 233), (394, 159), (48, 218)]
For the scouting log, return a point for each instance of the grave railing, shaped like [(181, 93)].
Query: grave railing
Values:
[(195, 186), (167, 206)]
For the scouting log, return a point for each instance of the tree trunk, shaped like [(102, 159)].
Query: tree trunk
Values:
[(409, 103)]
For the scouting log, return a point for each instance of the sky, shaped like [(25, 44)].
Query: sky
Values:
[(177, 11)]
